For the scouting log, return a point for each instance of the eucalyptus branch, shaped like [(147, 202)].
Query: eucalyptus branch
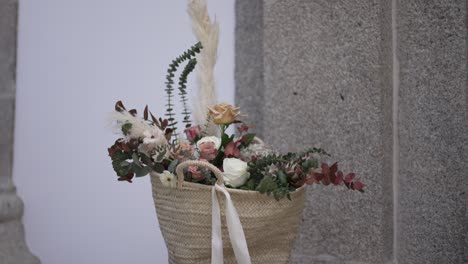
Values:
[(187, 55), (183, 90)]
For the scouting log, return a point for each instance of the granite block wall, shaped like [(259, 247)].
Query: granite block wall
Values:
[(433, 130), (324, 76)]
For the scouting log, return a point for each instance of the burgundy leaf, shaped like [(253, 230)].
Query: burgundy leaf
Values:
[(119, 107), (231, 150), (349, 178), (334, 168), (318, 176), (243, 128), (155, 121), (127, 177), (339, 178), (133, 112), (358, 186), (168, 133), (145, 113), (164, 123), (325, 168)]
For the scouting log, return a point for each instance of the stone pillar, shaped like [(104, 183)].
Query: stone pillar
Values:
[(433, 129), (326, 68), (249, 59), (13, 249)]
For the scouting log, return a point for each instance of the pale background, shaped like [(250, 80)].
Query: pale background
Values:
[(76, 58)]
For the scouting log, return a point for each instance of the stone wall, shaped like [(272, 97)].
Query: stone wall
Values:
[(433, 129), (13, 249), (320, 73)]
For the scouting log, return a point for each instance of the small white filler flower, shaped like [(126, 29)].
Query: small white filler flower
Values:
[(168, 179)]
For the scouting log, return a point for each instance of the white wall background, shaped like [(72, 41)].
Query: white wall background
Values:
[(76, 58)]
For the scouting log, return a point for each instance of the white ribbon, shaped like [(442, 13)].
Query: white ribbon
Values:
[(236, 233)]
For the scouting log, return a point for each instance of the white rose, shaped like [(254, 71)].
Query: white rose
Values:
[(215, 140), (235, 172), (168, 179)]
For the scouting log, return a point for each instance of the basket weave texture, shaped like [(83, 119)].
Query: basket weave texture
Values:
[(184, 215)]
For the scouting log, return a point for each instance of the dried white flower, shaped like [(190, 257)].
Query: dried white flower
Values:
[(255, 149), (207, 32), (139, 127), (151, 145)]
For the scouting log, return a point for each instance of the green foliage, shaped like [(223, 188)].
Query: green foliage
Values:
[(248, 139), (126, 128), (206, 126), (120, 164), (128, 162), (270, 186), (267, 185), (187, 55), (258, 167), (183, 90), (140, 171)]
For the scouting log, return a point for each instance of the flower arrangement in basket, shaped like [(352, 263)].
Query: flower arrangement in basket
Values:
[(201, 174)]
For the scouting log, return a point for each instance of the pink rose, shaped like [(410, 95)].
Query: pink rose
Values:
[(196, 173), (193, 133), (208, 150)]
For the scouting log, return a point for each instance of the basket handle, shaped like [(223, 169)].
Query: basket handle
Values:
[(180, 171)]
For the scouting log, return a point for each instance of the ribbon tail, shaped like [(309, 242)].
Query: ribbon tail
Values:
[(236, 232), (216, 235)]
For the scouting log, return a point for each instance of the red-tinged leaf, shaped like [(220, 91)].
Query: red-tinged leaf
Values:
[(349, 178), (236, 122), (145, 113), (127, 177), (231, 150), (334, 168), (318, 176), (326, 180), (310, 179), (112, 151), (339, 178), (168, 133), (119, 107), (132, 144), (325, 168), (243, 128), (133, 112), (326, 172), (332, 177), (358, 186), (164, 123), (124, 146)]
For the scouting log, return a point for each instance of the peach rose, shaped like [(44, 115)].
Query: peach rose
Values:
[(183, 151), (223, 114)]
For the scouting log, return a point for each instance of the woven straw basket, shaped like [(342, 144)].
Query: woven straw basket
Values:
[(184, 215)]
